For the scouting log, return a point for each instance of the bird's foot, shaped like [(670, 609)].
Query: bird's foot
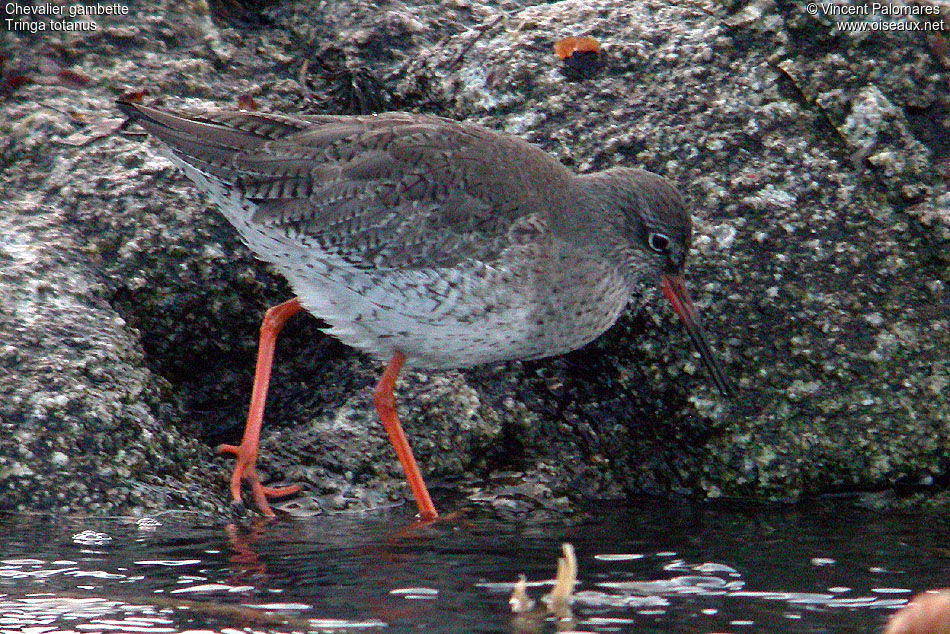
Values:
[(245, 470)]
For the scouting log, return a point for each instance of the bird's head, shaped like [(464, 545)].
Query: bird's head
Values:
[(653, 232)]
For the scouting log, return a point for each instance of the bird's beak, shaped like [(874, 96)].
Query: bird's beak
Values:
[(675, 290)]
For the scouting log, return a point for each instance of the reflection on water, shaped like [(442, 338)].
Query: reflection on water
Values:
[(652, 568)]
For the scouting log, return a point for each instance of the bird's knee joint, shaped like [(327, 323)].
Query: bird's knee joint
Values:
[(384, 400), (273, 320)]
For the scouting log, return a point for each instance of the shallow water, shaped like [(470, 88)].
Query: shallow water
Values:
[(649, 568)]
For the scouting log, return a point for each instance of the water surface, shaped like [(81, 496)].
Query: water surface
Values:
[(652, 567)]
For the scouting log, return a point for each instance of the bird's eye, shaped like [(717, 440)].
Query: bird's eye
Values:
[(658, 242)]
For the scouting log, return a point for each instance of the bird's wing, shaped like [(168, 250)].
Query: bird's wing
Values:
[(385, 191)]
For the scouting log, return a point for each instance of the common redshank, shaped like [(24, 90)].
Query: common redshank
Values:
[(428, 241)]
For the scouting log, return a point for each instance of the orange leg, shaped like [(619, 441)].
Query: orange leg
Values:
[(246, 452), (386, 406)]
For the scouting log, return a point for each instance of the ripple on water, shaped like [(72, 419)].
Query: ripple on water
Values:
[(346, 575), (416, 593), (92, 538), (51, 612)]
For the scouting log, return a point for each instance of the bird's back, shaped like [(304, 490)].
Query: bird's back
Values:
[(403, 231)]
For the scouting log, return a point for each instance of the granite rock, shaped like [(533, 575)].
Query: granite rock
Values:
[(815, 161)]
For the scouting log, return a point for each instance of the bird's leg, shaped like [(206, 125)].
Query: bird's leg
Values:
[(386, 406), (246, 452)]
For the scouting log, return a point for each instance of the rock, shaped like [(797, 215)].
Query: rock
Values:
[(813, 159), (85, 425)]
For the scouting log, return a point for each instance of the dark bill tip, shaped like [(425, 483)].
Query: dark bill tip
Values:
[(674, 289)]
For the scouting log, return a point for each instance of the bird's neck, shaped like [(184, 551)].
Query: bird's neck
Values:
[(593, 217)]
